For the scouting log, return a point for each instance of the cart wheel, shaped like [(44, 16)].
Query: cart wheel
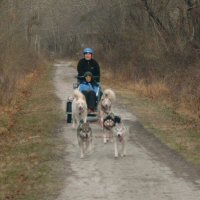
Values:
[(69, 106), (69, 110), (69, 118)]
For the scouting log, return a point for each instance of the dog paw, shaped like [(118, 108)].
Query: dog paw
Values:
[(73, 126), (81, 156)]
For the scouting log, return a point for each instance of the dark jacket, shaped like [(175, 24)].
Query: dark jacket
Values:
[(89, 66)]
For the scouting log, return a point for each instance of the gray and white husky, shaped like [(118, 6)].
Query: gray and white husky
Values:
[(84, 136), (119, 138)]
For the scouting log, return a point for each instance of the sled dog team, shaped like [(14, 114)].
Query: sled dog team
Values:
[(112, 125)]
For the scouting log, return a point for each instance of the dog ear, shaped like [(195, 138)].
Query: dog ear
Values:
[(105, 95), (112, 115), (108, 117), (76, 97), (117, 119), (102, 97)]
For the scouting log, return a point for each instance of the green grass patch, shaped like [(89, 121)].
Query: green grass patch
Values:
[(31, 162), (4, 119)]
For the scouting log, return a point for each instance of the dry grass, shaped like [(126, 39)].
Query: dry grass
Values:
[(153, 108), (15, 67), (8, 111), (32, 146), (154, 90)]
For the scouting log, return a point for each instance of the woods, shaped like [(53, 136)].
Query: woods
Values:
[(149, 42)]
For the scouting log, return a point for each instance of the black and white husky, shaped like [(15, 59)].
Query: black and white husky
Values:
[(84, 136), (108, 124)]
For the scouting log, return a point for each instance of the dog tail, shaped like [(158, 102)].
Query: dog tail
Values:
[(78, 94), (110, 94)]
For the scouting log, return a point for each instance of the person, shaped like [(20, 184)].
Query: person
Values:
[(88, 64), (91, 90)]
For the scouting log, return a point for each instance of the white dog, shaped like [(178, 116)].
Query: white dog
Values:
[(106, 102), (105, 109), (84, 135), (119, 136), (79, 108)]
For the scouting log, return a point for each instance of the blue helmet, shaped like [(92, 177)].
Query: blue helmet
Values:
[(88, 50)]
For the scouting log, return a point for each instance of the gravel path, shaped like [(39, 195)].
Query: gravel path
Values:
[(150, 171)]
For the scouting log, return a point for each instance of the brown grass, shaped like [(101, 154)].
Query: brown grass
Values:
[(31, 145), (154, 90), (152, 106), (22, 94)]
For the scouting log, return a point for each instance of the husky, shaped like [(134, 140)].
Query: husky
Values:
[(105, 112), (79, 108), (105, 105), (84, 136), (108, 124), (119, 137)]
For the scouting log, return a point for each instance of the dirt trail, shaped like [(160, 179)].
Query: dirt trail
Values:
[(149, 171)]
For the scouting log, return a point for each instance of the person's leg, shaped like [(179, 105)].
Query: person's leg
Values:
[(91, 100), (87, 97), (90, 97)]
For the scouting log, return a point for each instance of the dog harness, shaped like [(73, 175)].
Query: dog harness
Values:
[(110, 121)]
